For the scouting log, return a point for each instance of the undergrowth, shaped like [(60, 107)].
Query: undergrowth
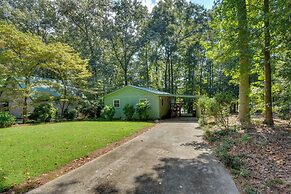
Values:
[(223, 141)]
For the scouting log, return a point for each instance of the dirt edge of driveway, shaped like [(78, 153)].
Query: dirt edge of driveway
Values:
[(45, 178)]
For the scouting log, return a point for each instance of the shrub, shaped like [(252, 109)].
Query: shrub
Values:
[(222, 151), (246, 137), (128, 111), (44, 113), (202, 103), (90, 108), (202, 121), (6, 119), (224, 134), (70, 114), (142, 109), (245, 173), (284, 111), (218, 107), (249, 190), (108, 112), (209, 135), (274, 182)]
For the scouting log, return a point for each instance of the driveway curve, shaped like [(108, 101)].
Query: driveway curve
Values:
[(169, 158)]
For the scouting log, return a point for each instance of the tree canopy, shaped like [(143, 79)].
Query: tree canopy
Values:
[(237, 47)]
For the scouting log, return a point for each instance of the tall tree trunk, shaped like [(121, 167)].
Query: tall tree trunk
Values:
[(200, 78), (157, 69), (190, 81), (64, 101), (193, 81), (172, 75), (25, 104), (166, 78), (211, 78), (125, 76), (244, 63), (24, 110), (125, 68), (147, 67), (167, 72), (267, 65)]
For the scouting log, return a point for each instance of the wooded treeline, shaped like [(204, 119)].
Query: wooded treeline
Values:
[(239, 47)]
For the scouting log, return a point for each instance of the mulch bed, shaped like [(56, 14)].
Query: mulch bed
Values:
[(44, 178), (267, 159)]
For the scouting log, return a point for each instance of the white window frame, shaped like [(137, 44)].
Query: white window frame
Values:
[(118, 103), (142, 100)]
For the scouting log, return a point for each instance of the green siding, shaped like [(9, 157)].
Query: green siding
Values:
[(130, 95)]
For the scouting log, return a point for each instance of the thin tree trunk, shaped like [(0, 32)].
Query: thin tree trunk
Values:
[(125, 69), (25, 104), (64, 101), (244, 63), (200, 79), (147, 67), (267, 65), (157, 68), (172, 75), (211, 79), (125, 76), (169, 72), (193, 81), (190, 81), (166, 78), (166, 71), (24, 110)]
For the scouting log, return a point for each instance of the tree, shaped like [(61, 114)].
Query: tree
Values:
[(125, 32), (22, 54), (35, 16), (179, 47), (70, 69), (244, 62), (25, 55), (174, 25), (82, 26), (267, 66)]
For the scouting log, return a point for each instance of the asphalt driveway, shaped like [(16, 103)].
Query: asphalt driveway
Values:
[(169, 158)]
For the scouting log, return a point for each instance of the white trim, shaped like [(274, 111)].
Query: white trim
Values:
[(114, 104)]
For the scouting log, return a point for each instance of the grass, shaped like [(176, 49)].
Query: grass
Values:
[(29, 151)]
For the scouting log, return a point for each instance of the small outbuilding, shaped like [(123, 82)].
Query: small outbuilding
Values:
[(162, 103)]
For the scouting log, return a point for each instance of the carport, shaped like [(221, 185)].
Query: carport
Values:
[(184, 106)]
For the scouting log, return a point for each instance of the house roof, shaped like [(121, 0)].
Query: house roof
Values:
[(151, 90), (156, 92), (47, 86)]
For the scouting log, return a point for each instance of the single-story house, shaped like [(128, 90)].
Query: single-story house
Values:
[(11, 101), (161, 103)]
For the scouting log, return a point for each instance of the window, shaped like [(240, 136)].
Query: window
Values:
[(162, 102), (116, 103), (142, 100)]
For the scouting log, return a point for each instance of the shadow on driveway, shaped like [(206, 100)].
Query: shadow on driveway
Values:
[(202, 174)]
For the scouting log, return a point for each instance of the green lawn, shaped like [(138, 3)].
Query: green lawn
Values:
[(29, 151)]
